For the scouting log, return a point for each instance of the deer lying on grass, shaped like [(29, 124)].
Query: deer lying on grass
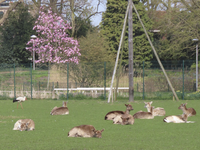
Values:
[(24, 124), (156, 111), (188, 111), (177, 119), (85, 131), (60, 110), (143, 114), (124, 119), (111, 115)]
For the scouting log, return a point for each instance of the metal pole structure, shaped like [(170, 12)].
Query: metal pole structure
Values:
[(104, 80), (31, 80), (14, 83), (197, 74), (33, 37), (196, 40), (155, 53), (143, 80), (183, 80), (116, 62), (130, 45), (67, 81)]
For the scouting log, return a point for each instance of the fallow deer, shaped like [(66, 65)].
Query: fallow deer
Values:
[(60, 110), (111, 115), (144, 115), (177, 119), (85, 131), (24, 124), (124, 119), (188, 111), (156, 111)]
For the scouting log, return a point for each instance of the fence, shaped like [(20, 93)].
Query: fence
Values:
[(66, 81)]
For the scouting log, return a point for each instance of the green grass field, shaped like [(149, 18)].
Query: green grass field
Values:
[(51, 132)]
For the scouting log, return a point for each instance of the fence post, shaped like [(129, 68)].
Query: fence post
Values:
[(183, 80), (31, 78), (67, 80), (143, 80), (104, 80), (14, 83)]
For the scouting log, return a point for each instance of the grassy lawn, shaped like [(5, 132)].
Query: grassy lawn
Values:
[(51, 132)]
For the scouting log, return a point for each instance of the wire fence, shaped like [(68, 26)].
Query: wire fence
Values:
[(92, 80)]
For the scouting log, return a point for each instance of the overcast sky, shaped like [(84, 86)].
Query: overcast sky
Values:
[(97, 18)]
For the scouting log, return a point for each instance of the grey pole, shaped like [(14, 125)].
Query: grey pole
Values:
[(197, 67), (196, 40), (130, 46), (33, 37)]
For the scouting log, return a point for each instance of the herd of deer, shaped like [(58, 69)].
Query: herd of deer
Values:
[(124, 118), (118, 117)]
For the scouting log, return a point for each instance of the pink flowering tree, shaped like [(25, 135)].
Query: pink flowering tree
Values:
[(52, 43)]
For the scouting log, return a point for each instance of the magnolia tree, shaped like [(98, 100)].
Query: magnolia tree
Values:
[(52, 43)]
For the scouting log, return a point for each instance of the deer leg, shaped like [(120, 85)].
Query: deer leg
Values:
[(17, 105), (21, 105)]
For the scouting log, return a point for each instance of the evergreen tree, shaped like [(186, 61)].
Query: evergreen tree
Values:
[(15, 33), (112, 23)]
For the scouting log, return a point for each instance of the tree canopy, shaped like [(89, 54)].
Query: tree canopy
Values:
[(112, 23), (15, 33)]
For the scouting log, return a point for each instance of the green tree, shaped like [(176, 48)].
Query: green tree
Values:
[(94, 53), (112, 23), (15, 33), (178, 22), (94, 48)]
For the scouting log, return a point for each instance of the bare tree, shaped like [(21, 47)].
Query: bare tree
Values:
[(70, 9)]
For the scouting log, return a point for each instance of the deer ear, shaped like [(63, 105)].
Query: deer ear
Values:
[(126, 105), (102, 130), (151, 102)]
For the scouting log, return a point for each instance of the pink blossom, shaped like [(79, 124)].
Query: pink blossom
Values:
[(52, 39)]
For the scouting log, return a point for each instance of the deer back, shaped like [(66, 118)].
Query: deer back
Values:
[(60, 111), (159, 111), (29, 124), (176, 119), (143, 115), (84, 131)]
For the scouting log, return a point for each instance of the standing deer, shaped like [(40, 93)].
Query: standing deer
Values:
[(156, 111), (24, 124), (144, 115), (177, 119), (124, 119), (188, 111), (85, 131), (111, 115), (60, 110)]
